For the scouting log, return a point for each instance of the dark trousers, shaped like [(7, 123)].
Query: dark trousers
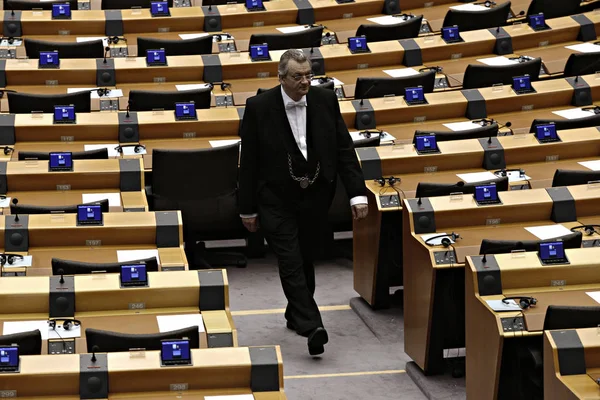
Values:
[(292, 224)]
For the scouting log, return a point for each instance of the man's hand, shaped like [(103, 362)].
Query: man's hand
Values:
[(251, 223), (360, 211)]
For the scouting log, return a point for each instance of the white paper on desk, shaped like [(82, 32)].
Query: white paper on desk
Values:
[(25, 262), (477, 177), (231, 397), (132, 255), (192, 86), (499, 305), (110, 147), (94, 94), (168, 323), (15, 43), (585, 47), (5, 202), (47, 333), (91, 38), (130, 151), (500, 60), (336, 82), (387, 20), (515, 176), (548, 231), (114, 199), (573, 113), (469, 7), (222, 143), (292, 29), (462, 126), (385, 137), (593, 295), (401, 72), (73, 332), (185, 36), (438, 241), (593, 165)]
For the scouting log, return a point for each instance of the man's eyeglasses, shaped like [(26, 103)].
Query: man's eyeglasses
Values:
[(299, 77)]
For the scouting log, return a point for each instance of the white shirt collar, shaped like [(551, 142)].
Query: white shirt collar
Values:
[(287, 99)]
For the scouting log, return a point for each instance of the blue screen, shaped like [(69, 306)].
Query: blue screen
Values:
[(259, 51), (521, 83), (61, 160), (61, 10), (253, 4), (550, 250), (546, 131), (175, 350), (185, 110), (89, 213), (357, 43), (425, 142), (48, 57), (64, 113), (486, 193), (9, 356), (156, 56), (450, 33), (413, 94), (537, 21), (133, 273), (159, 8)]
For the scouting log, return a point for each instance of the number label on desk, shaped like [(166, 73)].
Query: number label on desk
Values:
[(347, 15), (64, 32), (455, 56), (93, 242), (493, 221), (263, 74), (137, 306), (164, 29), (51, 82), (558, 282), (258, 23), (189, 135), (159, 79), (362, 66), (527, 107), (67, 138), (420, 119), (8, 394), (544, 43), (62, 188), (428, 4), (178, 387), (553, 157), (430, 169)]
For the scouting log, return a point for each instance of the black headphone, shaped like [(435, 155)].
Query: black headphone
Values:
[(392, 180), (405, 16), (487, 3), (435, 69), (115, 39), (10, 258), (67, 323), (588, 229), (103, 92), (485, 121), (8, 150), (446, 239), (595, 109), (524, 301), (136, 147), (504, 171), (367, 133), (218, 37)]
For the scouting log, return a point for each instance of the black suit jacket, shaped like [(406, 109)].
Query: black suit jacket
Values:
[(267, 139)]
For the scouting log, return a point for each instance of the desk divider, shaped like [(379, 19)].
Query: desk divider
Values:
[(306, 14), (213, 71), (563, 205), (16, 233), (476, 107), (212, 19), (412, 53), (105, 72), (503, 44), (168, 229), (365, 114), (131, 174), (587, 30), (7, 128), (582, 93), (316, 58), (493, 153), (11, 27), (114, 23), (129, 130)]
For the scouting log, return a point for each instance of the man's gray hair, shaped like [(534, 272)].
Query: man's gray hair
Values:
[(292, 54)]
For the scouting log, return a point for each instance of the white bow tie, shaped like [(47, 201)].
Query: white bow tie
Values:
[(291, 104)]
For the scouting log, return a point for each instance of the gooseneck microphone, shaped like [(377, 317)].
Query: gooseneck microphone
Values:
[(15, 201), (373, 85), (61, 272), (95, 348), (106, 51), (128, 104)]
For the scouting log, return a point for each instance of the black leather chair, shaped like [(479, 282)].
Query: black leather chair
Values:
[(127, 4), (70, 209), (554, 8), (307, 38), (70, 267), (473, 20), (368, 88), (563, 124), (108, 341), (186, 47), (565, 177), (30, 5), (203, 185), (30, 343), (98, 154), (479, 76), (25, 103), (582, 64), (94, 49), (380, 33)]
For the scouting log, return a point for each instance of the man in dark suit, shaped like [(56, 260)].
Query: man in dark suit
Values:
[(294, 144)]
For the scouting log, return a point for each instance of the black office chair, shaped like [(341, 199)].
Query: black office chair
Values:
[(93, 49), (369, 87), (486, 131), (380, 33), (203, 185), (30, 342), (479, 76), (127, 4), (98, 154), (70, 267), (108, 341), (554, 8), (31, 5), (70, 209), (307, 38), (186, 47), (582, 64), (473, 20), (565, 177)]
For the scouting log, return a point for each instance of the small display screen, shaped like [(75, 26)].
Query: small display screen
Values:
[(61, 162), (254, 4), (552, 251), (450, 34), (414, 95), (537, 21), (259, 52), (486, 193), (357, 44), (185, 111), (522, 83), (64, 114), (426, 143), (134, 275), (61, 10), (156, 57), (159, 8), (175, 352), (89, 215), (9, 358), (546, 132), (49, 59)]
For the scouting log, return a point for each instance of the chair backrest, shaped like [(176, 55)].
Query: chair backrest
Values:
[(494, 246), (480, 132), (109, 341), (430, 189), (582, 64), (148, 100), (70, 267), (554, 8), (127, 4), (307, 38), (473, 20), (478, 76), (367, 88), (563, 124), (93, 49), (25, 103), (373, 141), (380, 33), (70, 209), (565, 177), (186, 47), (30, 343), (571, 317), (30, 5), (98, 154)]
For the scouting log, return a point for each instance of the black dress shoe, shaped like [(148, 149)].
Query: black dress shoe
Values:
[(316, 341)]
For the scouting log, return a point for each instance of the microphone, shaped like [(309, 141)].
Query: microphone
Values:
[(210, 7), (508, 124), (516, 246), (12, 10), (367, 92), (95, 348), (128, 104), (15, 201), (62, 278), (106, 50)]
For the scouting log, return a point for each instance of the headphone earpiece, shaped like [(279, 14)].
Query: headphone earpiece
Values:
[(524, 301), (392, 180), (381, 181), (8, 150), (446, 242)]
